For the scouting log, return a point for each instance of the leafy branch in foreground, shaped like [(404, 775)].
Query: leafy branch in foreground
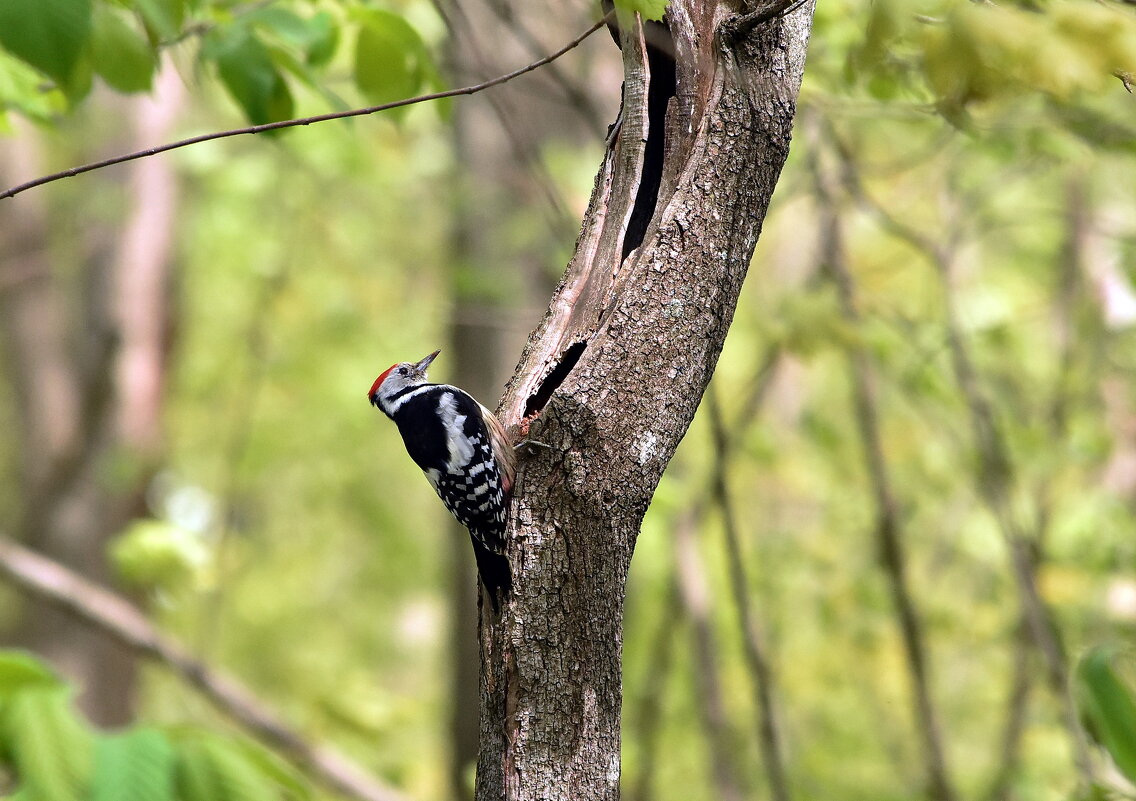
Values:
[(54, 754), (1108, 705), (291, 123), (116, 617)]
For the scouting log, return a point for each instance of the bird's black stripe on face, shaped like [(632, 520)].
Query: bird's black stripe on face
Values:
[(408, 390)]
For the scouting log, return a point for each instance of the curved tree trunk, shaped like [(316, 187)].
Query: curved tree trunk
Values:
[(611, 378)]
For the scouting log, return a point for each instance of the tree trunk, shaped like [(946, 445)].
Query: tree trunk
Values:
[(89, 380), (498, 279), (611, 378)]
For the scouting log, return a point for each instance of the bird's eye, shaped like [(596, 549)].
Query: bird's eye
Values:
[(402, 371)]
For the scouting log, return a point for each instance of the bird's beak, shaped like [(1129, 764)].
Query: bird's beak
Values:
[(425, 363)]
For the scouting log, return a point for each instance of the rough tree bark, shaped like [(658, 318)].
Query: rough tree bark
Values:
[(611, 378), (498, 279)]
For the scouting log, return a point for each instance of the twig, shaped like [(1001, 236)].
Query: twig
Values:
[(274, 126), (561, 221), (995, 476), (690, 574), (1015, 724), (890, 537), (768, 735), (647, 726), (763, 12), (1067, 306), (678, 607), (575, 94), (116, 617)]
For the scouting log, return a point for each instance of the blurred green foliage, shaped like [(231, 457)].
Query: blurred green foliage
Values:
[(1109, 706), (260, 52), (53, 755), (309, 264)]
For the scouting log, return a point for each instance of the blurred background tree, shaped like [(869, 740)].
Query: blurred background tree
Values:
[(904, 513)]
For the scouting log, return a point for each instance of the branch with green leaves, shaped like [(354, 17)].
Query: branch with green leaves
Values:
[(391, 61), (116, 617)]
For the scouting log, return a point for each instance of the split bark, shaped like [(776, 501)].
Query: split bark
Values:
[(611, 378)]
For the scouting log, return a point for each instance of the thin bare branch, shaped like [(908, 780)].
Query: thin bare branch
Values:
[(275, 126), (1068, 310), (561, 222), (694, 594), (769, 736), (575, 94), (890, 535), (678, 608), (36, 575), (995, 477), (761, 12), (1014, 727)]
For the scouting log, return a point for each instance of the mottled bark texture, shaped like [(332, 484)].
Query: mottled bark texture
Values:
[(612, 376)]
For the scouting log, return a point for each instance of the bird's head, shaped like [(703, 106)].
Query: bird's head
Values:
[(397, 378)]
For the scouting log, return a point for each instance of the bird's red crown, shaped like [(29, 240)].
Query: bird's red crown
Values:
[(379, 381)]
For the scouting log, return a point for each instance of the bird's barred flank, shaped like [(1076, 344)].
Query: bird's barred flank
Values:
[(465, 454)]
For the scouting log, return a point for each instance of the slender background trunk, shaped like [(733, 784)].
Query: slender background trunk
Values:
[(89, 354)]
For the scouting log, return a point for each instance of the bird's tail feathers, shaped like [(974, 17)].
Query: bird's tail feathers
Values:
[(496, 573)]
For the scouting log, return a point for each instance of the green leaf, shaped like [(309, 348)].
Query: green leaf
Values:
[(648, 9), (874, 56), (135, 766), (155, 553), (324, 39), (78, 85), (1109, 708), (313, 38), (195, 778), (47, 34), (288, 26), (248, 72), (240, 778), (305, 73), (21, 88), (163, 18), (212, 768), (279, 771), (1099, 129), (19, 671), (50, 745), (391, 60), (122, 56)]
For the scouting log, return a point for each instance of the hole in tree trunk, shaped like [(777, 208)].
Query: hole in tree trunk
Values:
[(539, 399), (662, 86)]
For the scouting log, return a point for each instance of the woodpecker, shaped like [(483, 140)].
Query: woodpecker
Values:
[(464, 452)]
